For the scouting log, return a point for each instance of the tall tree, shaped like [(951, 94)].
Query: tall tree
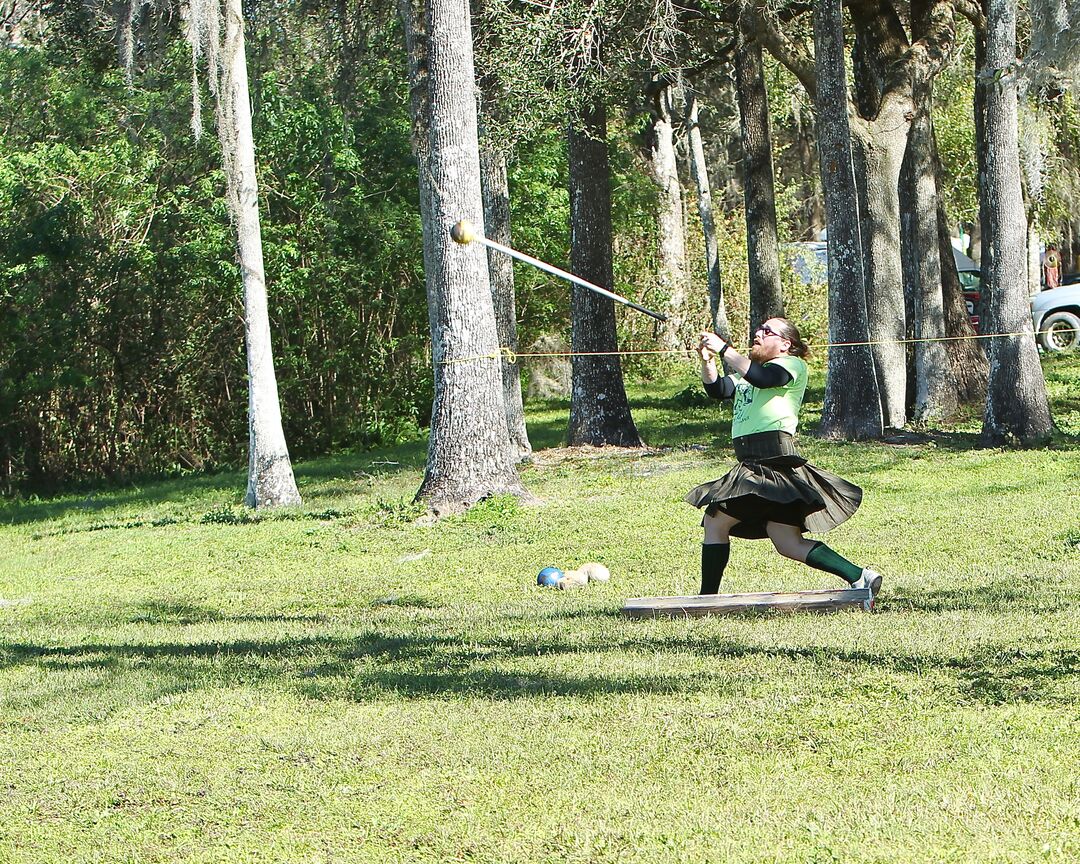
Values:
[(503, 122), (469, 453), (599, 409), (1017, 408), (936, 393), (759, 194), (671, 270), (852, 403), (967, 356), (885, 107), (270, 475), (881, 113), (699, 169), (496, 188)]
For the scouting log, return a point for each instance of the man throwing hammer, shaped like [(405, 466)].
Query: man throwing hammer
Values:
[(773, 492)]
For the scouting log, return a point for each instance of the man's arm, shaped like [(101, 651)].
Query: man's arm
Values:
[(712, 346)]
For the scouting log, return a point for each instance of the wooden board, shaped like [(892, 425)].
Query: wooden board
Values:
[(725, 604)]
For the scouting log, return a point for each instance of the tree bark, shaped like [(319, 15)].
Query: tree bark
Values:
[(813, 208), (936, 396), (469, 455), (270, 476), (852, 407), (967, 356), (763, 260), (599, 409), (1017, 409), (935, 389), (671, 218), (496, 190), (700, 171), (1034, 256), (881, 144)]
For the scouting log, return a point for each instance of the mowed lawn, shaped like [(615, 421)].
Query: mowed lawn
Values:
[(181, 681)]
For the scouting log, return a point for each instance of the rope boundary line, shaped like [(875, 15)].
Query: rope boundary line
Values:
[(504, 353)]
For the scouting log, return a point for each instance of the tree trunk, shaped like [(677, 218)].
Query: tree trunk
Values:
[(469, 455), (979, 232), (700, 171), (763, 263), (414, 26), (1034, 256), (813, 207), (967, 356), (935, 389), (671, 219), (852, 402), (882, 144), (270, 475), (599, 410), (501, 270), (1071, 247), (1017, 408)]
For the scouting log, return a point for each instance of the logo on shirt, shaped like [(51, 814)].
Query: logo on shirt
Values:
[(744, 398)]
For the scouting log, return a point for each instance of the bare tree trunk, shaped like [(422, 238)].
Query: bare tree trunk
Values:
[(882, 145), (469, 455), (967, 357), (1071, 247), (700, 171), (671, 218), (763, 261), (412, 21), (1034, 256), (935, 388), (852, 402), (599, 410), (1017, 408), (501, 270), (979, 237), (813, 206), (270, 475)]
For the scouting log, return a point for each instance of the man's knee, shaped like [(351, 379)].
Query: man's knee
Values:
[(717, 527), (788, 541), (787, 548)]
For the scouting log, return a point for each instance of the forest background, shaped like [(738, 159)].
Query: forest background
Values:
[(121, 316)]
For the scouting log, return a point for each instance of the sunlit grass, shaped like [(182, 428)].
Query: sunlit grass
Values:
[(181, 680)]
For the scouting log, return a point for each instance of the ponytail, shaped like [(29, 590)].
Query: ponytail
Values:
[(790, 332)]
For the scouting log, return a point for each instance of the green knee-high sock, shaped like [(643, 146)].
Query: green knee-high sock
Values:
[(821, 557), (714, 558)]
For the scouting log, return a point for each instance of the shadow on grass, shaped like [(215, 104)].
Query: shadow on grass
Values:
[(409, 456), (325, 478), (106, 677), (157, 492), (186, 614)]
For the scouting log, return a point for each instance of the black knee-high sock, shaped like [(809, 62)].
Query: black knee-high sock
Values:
[(714, 558)]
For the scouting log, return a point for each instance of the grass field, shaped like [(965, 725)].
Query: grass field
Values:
[(183, 681)]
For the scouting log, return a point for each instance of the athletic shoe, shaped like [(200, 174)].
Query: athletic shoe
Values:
[(869, 579)]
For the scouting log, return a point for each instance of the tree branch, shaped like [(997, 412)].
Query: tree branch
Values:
[(793, 55)]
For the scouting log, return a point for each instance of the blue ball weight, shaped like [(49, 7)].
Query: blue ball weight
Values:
[(549, 577)]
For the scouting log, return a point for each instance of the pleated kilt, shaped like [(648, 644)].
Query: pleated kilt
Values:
[(772, 483)]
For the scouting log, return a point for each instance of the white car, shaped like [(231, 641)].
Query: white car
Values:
[(1056, 316)]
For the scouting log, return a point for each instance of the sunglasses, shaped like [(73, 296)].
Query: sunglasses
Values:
[(766, 330)]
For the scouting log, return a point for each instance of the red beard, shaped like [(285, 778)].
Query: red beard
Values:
[(759, 354)]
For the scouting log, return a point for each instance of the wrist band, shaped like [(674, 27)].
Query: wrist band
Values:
[(720, 353)]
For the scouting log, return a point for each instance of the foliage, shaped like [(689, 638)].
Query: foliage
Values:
[(122, 334)]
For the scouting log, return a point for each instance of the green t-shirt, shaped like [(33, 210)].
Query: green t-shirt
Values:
[(772, 409)]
